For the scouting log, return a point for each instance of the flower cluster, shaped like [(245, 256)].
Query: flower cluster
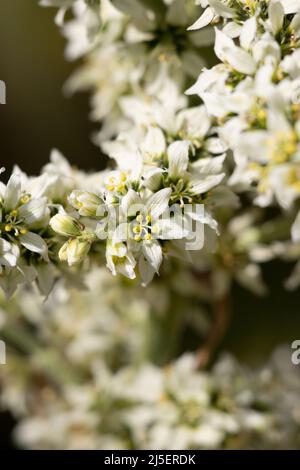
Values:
[(97, 390), (27, 243), (151, 408), (148, 54), (146, 207), (199, 193), (159, 197), (88, 10), (253, 94)]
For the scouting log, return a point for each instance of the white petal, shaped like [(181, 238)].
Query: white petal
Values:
[(251, 277), (276, 16), (195, 121), (121, 233), (171, 228), (158, 202), (146, 271), (215, 145), (207, 166), (155, 142), (227, 51), (127, 269), (45, 278), (33, 242), (12, 193), (232, 29), (200, 215), (130, 203), (199, 186), (153, 253), (33, 211), (9, 259), (178, 156), (222, 9), (248, 33), (204, 20), (296, 229), (290, 6), (5, 246)]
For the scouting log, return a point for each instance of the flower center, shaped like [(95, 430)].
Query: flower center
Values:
[(282, 147), (142, 228), (116, 183)]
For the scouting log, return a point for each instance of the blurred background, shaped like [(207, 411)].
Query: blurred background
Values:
[(37, 117)]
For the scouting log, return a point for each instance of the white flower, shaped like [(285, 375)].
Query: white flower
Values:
[(66, 225), (143, 231), (119, 259), (9, 254), (74, 251), (22, 216), (86, 203), (296, 229), (238, 58)]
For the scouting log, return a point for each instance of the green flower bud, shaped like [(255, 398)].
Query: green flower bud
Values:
[(74, 251), (66, 225), (86, 203)]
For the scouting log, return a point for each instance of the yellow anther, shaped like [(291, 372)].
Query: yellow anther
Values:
[(290, 147), (162, 398), (282, 147), (137, 229), (148, 219), (140, 218), (120, 187), (23, 231), (8, 228), (137, 238), (295, 107), (148, 236), (262, 187), (261, 114), (14, 213), (110, 187), (163, 57), (24, 199), (254, 166), (154, 229), (123, 177)]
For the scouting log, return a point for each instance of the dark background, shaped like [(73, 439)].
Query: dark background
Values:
[(37, 117)]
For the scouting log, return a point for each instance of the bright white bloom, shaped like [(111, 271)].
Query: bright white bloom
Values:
[(23, 216), (143, 60)]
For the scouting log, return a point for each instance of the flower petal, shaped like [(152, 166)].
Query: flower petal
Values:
[(178, 156), (158, 202), (153, 254), (204, 20), (12, 192), (33, 242)]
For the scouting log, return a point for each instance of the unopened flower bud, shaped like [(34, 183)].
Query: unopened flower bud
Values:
[(86, 203), (66, 225), (74, 251)]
